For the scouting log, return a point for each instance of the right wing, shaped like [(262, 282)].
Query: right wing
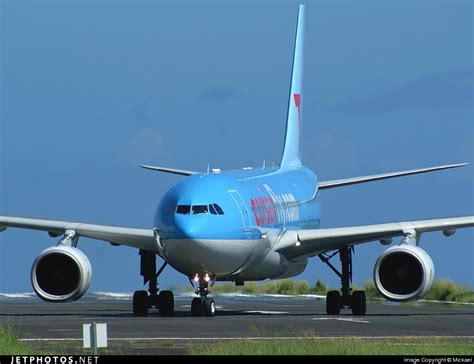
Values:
[(298, 244), (182, 172), (136, 238)]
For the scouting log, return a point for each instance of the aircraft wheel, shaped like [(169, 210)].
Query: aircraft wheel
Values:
[(140, 303), (209, 307), (196, 306), (333, 303), (358, 303), (166, 303)]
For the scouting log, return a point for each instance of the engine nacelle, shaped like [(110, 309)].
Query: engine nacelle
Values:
[(403, 273), (61, 274)]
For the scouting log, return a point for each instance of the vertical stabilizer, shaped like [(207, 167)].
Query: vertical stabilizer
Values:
[(292, 149)]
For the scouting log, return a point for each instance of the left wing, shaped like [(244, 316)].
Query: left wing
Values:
[(303, 243), (377, 177), (136, 238)]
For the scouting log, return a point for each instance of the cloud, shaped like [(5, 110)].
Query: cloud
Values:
[(436, 91)]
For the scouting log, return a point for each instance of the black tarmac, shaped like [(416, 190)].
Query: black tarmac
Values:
[(257, 317)]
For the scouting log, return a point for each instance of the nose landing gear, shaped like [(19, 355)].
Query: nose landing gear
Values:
[(203, 305)]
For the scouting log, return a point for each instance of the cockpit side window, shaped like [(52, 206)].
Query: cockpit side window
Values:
[(212, 210), (218, 209), (199, 209), (183, 209), (171, 208)]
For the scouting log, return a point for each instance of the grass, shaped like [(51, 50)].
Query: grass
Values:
[(442, 290), (312, 345), (283, 286), (10, 345)]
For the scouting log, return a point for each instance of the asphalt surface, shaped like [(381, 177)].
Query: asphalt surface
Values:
[(44, 325)]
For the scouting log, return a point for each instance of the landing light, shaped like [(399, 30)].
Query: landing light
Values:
[(207, 278), (196, 278), (297, 243)]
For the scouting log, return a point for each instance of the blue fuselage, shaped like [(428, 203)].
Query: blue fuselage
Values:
[(252, 201), (219, 219)]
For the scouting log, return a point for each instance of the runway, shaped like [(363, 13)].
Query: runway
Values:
[(239, 316)]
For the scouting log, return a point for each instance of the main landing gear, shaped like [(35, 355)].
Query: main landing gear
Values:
[(203, 305), (336, 300), (143, 300)]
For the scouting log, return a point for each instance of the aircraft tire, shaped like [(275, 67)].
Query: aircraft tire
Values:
[(333, 303), (196, 307), (358, 303), (209, 307), (140, 303), (166, 303)]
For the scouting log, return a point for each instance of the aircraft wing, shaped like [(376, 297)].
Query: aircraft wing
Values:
[(377, 177), (137, 238), (181, 172), (304, 243)]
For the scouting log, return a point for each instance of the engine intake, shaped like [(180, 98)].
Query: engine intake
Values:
[(61, 274), (403, 273)]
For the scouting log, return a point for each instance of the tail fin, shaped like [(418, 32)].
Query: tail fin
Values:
[(292, 150)]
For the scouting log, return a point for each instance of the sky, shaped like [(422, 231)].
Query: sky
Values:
[(89, 90)]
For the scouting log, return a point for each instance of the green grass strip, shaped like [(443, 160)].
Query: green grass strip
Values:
[(342, 346)]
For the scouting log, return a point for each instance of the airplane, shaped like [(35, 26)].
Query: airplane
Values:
[(247, 224)]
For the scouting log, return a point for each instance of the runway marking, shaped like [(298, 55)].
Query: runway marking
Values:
[(341, 319), (269, 312), (252, 338)]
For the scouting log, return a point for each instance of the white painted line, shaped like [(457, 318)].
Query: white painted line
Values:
[(450, 302), (341, 319), (269, 312), (253, 338)]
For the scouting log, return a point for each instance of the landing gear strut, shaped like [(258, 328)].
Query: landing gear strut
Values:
[(336, 300), (143, 300), (203, 305)]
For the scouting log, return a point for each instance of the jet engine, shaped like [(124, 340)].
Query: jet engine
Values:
[(61, 274), (403, 273)]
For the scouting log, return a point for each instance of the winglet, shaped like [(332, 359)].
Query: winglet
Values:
[(181, 172)]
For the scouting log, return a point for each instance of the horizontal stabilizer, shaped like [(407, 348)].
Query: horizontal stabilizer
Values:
[(376, 177), (181, 172)]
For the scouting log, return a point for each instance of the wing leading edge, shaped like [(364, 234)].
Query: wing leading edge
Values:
[(136, 238), (377, 177), (303, 243), (181, 172)]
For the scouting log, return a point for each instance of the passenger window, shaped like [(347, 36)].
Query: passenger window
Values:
[(183, 209), (218, 209), (199, 209), (212, 210)]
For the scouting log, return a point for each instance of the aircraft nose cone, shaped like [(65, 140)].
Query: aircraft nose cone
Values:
[(185, 227)]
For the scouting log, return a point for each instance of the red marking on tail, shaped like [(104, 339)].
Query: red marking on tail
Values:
[(297, 100)]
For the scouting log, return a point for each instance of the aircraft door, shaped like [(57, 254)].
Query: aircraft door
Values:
[(246, 222)]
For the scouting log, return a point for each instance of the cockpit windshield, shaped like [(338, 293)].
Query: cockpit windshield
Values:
[(213, 208), (199, 209), (183, 209)]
